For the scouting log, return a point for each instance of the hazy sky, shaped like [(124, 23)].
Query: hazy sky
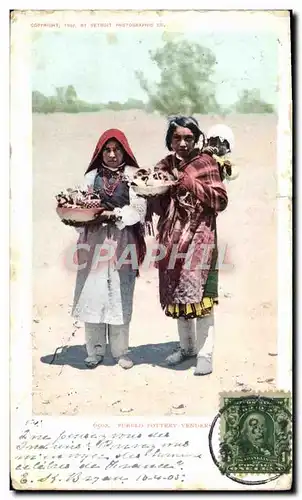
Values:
[(101, 65)]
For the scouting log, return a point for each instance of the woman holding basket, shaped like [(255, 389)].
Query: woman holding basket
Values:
[(103, 296), (188, 278)]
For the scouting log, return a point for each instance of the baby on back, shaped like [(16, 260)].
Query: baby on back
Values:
[(220, 144)]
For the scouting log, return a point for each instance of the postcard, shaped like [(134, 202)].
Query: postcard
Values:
[(151, 280)]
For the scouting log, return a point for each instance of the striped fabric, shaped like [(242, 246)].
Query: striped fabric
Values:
[(190, 311)]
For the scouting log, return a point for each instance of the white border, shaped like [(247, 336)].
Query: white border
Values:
[(24, 275)]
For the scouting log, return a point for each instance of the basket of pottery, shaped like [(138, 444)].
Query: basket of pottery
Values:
[(146, 183), (75, 206)]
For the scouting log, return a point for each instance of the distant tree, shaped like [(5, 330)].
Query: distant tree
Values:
[(38, 100), (185, 84), (70, 94), (65, 101), (134, 104), (61, 91), (250, 101), (114, 106), (50, 106)]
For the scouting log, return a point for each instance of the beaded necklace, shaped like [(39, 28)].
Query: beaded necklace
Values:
[(108, 175)]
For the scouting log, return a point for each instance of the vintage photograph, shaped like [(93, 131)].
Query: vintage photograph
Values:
[(150, 178), (154, 157)]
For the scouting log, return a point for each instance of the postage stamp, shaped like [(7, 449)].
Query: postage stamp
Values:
[(255, 434)]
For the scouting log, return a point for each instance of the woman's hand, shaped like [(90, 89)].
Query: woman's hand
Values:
[(210, 150), (228, 167), (106, 216)]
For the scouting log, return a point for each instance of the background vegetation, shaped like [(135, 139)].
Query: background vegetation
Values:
[(185, 86)]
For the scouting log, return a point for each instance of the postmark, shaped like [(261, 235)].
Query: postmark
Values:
[(255, 436)]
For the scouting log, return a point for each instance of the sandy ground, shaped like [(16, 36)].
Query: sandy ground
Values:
[(246, 318)]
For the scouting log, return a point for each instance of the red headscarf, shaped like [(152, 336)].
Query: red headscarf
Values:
[(119, 136)]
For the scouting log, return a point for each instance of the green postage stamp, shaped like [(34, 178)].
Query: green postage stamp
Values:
[(256, 434)]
